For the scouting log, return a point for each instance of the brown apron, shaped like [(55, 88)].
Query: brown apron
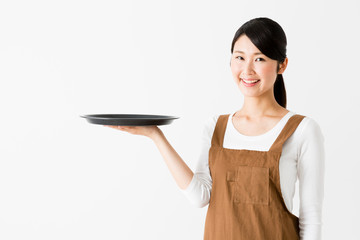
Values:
[(246, 201)]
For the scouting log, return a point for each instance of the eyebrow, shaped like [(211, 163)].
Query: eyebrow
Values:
[(257, 53)]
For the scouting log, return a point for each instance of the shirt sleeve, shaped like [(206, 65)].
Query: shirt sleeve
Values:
[(199, 190), (311, 169)]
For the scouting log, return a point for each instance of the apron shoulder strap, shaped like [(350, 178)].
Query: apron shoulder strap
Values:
[(219, 131), (286, 132)]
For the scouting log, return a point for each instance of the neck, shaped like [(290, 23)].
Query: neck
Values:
[(264, 105)]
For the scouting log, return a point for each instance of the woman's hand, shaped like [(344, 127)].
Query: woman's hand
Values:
[(147, 131)]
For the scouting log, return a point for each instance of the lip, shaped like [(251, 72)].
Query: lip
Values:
[(249, 79), (249, 84)]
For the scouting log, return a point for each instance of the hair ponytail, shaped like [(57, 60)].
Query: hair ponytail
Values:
[(279, 91)]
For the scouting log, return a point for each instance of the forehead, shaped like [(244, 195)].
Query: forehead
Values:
[(245, 45)]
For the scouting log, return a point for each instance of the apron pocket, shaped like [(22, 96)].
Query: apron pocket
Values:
[(252, 185)]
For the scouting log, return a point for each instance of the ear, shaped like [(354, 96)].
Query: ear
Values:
[(283, 66)]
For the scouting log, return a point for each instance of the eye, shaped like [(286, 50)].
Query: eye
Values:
[(241, 58)]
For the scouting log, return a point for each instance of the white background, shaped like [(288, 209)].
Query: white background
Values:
[(63, 178)]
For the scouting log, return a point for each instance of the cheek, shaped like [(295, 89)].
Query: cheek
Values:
[(235, 69), (268, 70)]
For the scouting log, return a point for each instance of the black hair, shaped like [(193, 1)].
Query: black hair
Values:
[(269, 37)]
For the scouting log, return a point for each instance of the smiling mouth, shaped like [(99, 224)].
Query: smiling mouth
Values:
[(249, 81)]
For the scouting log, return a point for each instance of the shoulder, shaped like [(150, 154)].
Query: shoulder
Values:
[(310, 147), (209, 126), (211, 121), (309, 138), (309, 127)]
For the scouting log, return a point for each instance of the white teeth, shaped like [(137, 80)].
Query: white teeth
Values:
[(250, 81)]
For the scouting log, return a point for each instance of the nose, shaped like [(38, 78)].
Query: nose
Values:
[(248, 68)]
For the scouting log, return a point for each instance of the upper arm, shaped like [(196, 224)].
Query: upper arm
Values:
[(311, 168)]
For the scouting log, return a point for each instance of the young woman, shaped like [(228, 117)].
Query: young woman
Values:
[(252, 157)]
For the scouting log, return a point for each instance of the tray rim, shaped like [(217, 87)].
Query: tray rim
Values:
[(97, 116)]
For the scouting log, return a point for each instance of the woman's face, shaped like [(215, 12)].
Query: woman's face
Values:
[(249, 64)]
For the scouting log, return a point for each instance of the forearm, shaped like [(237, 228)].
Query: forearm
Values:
[(178, 168)]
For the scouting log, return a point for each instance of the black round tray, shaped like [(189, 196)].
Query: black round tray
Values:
[(129, 119)]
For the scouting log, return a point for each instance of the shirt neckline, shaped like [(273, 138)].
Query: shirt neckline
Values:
[(264, 135)]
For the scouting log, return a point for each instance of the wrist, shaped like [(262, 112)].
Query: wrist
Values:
[(156, 134)]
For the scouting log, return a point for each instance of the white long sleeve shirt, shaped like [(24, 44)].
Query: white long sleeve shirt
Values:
[(303, 158)]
